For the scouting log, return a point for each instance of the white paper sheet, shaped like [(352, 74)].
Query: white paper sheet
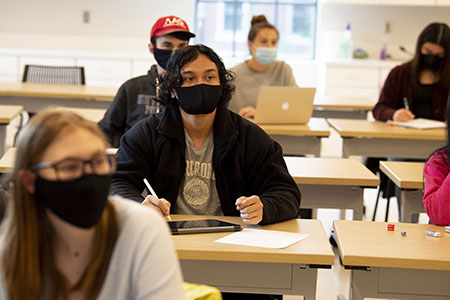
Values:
[(262, 238), (419, 123)]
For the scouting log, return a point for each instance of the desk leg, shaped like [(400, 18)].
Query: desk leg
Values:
[(411, 204), (2, 139)]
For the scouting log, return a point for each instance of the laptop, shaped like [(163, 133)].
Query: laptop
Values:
[(284, 105)]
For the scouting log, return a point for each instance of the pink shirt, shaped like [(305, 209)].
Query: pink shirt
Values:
[(436, 198)]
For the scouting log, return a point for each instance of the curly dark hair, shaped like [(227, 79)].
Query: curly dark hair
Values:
[(172, 78)]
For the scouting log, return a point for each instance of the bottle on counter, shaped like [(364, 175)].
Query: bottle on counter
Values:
[(347, 43)]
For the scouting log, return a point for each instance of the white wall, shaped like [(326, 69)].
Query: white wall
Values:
[(58, 24), (368, 25)]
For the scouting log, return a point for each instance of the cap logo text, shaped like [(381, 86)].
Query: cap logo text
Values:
[(174, 21)]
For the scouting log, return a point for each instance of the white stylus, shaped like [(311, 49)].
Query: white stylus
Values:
[(149, 187)]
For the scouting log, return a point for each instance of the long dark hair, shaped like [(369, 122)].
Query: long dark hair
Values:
[(172, 78), (447, 118), (436, 33)]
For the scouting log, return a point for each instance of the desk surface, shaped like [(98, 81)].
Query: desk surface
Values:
[(369, 244), (315, 127), (7, 160), (341, 102), (377, 129), (9, 112), (91, 114), (56, 91), (315, 249), (330, 171), (406, 175)]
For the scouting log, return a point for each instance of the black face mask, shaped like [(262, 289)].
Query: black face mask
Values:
[(431, 62), (162, 56), (199, 99), (79, 202)]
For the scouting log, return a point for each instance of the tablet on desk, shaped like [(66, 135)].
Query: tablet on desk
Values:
[(202, 226)]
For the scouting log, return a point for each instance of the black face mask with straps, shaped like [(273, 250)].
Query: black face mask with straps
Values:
[(80, 201), (199, 99), (430, 61), (162, 56)]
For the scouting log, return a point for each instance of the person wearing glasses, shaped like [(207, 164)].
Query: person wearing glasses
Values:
[(63, 238)]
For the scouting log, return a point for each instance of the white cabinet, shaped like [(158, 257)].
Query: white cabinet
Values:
[(105, 72), (389, 2), (8, 70), (356, 77), (368, 2), (141, 66), (443, 2), (408, 2)]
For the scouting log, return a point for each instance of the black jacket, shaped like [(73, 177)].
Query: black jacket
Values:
[(134, 101), (246, 162)]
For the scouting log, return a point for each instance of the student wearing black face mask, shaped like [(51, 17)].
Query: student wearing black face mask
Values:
[(135, 99), (63, 238), (423, 82), (202, 158)]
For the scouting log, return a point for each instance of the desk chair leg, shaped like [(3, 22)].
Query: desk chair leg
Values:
[(376, 205), (387, 209)]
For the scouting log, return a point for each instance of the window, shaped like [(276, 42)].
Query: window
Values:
[(224, 25)]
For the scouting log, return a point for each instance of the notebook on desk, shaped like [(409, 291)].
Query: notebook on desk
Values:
[(420, 123), (284, 105)]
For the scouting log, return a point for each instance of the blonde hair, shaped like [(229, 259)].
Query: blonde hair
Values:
[(27, 256)]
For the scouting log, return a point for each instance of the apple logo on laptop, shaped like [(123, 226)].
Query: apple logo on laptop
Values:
[(285, 105)]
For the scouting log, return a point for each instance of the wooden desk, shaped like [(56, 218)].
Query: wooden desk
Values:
[(7, 114), (331, 183), (231, 268), (7, 160), (299, 139), (388, 265), (91, 114), (34, 96), (342, 107), (408, 176), (378, 139)]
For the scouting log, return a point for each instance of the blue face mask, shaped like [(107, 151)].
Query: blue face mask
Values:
[(265, 56)]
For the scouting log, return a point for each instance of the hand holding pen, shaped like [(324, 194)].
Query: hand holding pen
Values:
[(403, 114), (160, 204)]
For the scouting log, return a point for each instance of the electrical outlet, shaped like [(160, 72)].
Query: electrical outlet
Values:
[(388, 27), (86, 16)]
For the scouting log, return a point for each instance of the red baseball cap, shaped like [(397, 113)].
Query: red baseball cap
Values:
[(169, 24)]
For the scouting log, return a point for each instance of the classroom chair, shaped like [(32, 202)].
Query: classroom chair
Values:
[(54, 74), (72, 75)]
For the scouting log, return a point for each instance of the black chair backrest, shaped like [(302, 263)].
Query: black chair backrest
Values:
[(54, 75)]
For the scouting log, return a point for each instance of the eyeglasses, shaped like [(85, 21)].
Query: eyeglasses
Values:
[(72, 168)]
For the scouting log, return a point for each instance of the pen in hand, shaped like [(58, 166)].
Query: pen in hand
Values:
[(149, 187), (405, 103)]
